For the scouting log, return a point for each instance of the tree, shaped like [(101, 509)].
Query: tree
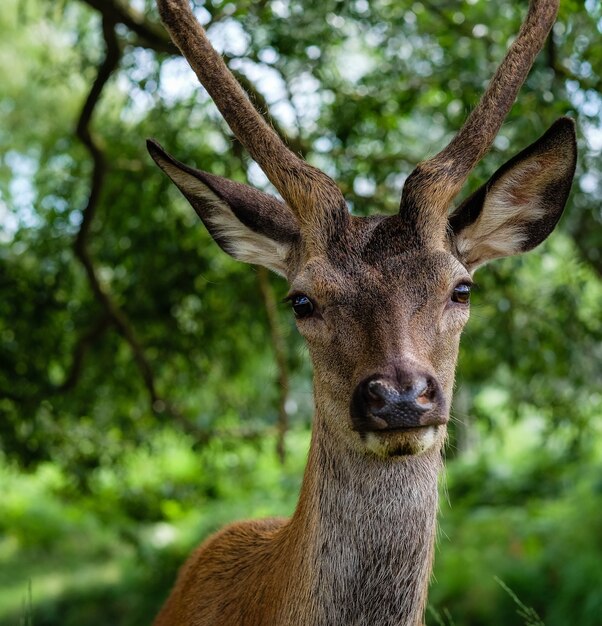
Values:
[(119, 316)]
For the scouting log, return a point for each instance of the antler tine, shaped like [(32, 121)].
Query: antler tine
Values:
[(312, 195), (434, 183)]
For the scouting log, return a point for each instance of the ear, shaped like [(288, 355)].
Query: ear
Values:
[(248, 224), (521, 203)]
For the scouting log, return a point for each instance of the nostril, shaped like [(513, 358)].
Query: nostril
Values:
[(377, 393), (423, 401), (420, 387), (426, 392), (374, 388)]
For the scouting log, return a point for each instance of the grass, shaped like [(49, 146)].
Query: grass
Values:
[(41, 577), (27, 616), (529, 614), (444, 619)]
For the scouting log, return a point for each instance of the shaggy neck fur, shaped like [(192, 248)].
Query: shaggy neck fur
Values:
[(361, 541)]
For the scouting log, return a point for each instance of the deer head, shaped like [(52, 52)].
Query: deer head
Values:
[(380, 300)]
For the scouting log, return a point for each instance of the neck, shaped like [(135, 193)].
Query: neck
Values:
[(362, 537)]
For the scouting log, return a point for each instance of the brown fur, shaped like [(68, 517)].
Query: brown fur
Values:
[(359, 548), (313, 570)]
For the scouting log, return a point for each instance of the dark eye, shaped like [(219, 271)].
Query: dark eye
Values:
[(461, 293), (302, 306)]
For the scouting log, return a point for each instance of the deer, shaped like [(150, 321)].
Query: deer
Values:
[(381, 302)]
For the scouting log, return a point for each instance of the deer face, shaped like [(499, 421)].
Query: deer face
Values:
[(382, 320), (381, 301)]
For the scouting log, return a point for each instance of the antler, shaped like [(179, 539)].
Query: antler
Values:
[(431, 187), (313, 196)]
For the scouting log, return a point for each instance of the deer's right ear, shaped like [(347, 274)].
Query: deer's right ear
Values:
[(249, 225)]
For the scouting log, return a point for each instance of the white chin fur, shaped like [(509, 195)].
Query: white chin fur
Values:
[(405, 443)]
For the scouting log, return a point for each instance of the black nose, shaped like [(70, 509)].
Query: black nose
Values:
[(409, 400)]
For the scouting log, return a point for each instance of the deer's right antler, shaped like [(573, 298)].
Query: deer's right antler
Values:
[(432, 186), (312, 195)]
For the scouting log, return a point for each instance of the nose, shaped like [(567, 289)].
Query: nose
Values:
[(409, 399)]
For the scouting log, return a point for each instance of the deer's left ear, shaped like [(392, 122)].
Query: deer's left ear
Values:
[(521, 203), (249, 225)]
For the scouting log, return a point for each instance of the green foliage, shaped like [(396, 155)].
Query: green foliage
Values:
[(112, 546), (103, 493), (542, 542)]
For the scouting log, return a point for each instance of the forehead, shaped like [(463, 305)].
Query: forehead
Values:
[(379, 255)]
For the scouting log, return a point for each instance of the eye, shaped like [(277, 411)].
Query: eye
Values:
[(302, 306), (461, 293)]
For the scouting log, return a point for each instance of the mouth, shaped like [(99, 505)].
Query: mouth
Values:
[(384, 432), (403, 442)]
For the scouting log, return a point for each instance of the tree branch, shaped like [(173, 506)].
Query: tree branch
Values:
[(114, 314), (152, 34), (82, 346), (563, 72), (99, 168), (271, 309)]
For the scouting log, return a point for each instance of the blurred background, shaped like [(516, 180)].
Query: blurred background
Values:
[(152, 389)]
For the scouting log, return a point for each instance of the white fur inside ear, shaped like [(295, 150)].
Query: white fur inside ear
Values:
[(500, 230), (247, 245), (241, 242)]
